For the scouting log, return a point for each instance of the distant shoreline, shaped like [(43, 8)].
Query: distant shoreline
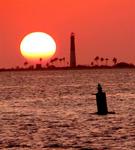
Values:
[(79, 67)]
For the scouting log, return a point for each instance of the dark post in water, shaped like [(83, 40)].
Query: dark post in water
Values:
[(101, 101)]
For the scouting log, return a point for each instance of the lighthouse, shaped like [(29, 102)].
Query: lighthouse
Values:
[(72, 51)]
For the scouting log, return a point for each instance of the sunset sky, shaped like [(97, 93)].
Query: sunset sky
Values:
[(102, 27)]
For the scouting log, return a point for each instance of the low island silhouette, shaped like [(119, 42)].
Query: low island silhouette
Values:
[(62, 64)]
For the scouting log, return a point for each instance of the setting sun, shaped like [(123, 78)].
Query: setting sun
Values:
[(38, 45)]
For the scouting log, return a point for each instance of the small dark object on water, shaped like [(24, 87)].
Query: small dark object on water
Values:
[(101, 101)]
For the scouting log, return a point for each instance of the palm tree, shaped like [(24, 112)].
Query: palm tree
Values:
[(63, 59), (40, 59), (67, 64), (114, 61), (25, 64), (101, 59), (55, 60), (96, 59), (51, 62), (92, 63), (60, 60), (106, 61)]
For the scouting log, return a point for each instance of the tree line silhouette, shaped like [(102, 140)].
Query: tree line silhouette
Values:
[(98, 62), (62, 63), (54, 62), (103, 61)]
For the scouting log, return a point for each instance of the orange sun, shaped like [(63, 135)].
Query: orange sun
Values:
[(37, 45)]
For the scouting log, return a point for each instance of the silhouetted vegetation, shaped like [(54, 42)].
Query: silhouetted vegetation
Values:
[(96, 60), (114, 61), (106, 59), (61, 63), (124, 65)]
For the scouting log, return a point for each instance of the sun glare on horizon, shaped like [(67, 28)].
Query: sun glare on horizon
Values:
[(38, 45)]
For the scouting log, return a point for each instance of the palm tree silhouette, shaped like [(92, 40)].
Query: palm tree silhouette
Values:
[(25, 64), (114, 61), (97, 59), (60, 60), (40, 59), (63, 59), (101, 59), (92, 63), (67, 64), (53, 60), (106, 61)]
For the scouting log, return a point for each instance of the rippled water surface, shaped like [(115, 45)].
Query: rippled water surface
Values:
[(55, 110)]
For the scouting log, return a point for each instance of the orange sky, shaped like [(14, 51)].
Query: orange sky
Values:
[(103, 27)]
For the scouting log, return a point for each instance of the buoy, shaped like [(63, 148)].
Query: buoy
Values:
[(101, 101)]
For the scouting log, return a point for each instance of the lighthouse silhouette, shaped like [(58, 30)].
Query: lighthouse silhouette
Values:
[(72, 51)]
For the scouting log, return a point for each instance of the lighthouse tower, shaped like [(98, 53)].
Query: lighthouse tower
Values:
[(72, 51)]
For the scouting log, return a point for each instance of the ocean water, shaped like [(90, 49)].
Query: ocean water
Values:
[(55, 110)]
